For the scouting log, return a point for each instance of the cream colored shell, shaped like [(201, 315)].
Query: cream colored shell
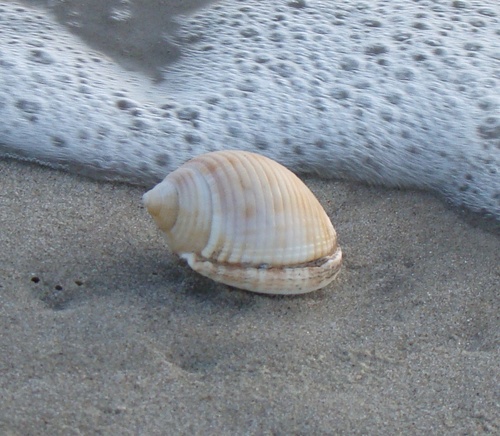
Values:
[(245, 220)]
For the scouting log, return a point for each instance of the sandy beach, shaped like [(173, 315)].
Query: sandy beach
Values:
[(103, 331)]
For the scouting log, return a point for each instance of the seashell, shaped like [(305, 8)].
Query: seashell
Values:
[(244, 220)]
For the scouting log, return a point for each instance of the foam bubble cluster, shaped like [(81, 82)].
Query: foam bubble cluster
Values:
[(402, 93)]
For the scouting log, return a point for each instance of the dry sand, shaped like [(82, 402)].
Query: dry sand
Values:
[(103, 331)]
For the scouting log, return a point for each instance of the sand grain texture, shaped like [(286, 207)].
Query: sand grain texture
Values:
[(119, 337)]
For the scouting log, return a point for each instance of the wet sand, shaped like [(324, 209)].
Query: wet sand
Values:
[(103, 330)]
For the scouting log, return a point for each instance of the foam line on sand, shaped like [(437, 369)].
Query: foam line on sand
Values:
[(401, 94)]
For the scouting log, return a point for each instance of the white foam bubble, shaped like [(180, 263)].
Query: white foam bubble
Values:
[(403, 94)]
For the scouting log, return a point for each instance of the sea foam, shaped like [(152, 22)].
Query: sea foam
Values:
[(400, 93)]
